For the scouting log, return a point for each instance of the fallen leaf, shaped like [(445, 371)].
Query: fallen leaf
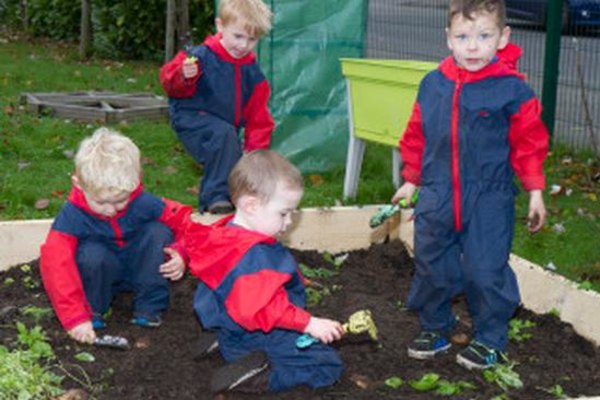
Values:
[(9, 110), (142, 343), (57, 194), (460, 339), (361, 381), (316, 180), (72, 394), (42, 204), (170, 170), (193, 190)]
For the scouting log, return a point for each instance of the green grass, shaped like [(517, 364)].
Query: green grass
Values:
[(36, 163)]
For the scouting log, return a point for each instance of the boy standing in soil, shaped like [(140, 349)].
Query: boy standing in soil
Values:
[(214, 90), (111, 236), (474, 125), (251, 291)]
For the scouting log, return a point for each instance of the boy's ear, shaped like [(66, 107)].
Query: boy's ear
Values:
[(504, 37), (248, 204), (219, 24), (75, 182)]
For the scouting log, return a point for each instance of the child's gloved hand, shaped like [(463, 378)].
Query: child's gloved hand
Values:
[(190, 67)]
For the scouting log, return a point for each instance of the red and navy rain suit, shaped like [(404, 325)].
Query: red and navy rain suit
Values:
[(252, 294), (88, 258), (469, 134), (207, 111)]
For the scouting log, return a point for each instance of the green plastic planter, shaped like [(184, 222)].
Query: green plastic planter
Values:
[(382, 95)]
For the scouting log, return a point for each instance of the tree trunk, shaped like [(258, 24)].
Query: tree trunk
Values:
[(170, 29), (85, 39), (183, 25)]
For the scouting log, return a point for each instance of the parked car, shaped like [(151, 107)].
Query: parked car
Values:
[(576, 13)]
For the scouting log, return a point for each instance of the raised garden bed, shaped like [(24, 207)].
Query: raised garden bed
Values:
[(100, 107), (375, 276)]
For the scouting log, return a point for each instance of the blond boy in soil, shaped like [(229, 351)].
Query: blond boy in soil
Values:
[(216, 89), (475, 125), (111, 236), (251, 291)]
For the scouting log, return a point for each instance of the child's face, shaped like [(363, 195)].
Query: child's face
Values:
[(474, 42), (106, 203), (275, 216), (236, 39)]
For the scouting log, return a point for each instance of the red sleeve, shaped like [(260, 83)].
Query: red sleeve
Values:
[(260, 302), (412, 145), (62, 281), (259, 122), (177, 217), (528, 139), (172, 80)]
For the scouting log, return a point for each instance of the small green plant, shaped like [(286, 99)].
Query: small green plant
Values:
[(520, 330), (394, 382), (311, 273), (442, 387), (35, 339), (447, 388), (84, 356), (9, 281), (556, 391), (585, 285), (504, 375), (554, 312), (37, 313), (23, 373)]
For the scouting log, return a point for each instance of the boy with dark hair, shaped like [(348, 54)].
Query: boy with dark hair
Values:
[(474, 126)]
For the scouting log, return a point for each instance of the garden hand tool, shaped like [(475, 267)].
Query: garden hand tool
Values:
[(113, 342), (387, 211), (359, 322)]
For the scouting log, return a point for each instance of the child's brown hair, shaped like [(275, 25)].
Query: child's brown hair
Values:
[(259, 172), (468, 8)]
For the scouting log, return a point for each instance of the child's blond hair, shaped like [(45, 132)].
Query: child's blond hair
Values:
[(254, 14), (259, 172), (468, 8), (109, 162)]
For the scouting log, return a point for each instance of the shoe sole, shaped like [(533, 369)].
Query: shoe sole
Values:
[(470, 365), (234, 374), (427, 355), (207, 345)]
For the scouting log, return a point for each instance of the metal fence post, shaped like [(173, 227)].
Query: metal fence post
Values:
[(551, 60)]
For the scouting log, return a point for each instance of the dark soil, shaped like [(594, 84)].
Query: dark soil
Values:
[(161, 365)]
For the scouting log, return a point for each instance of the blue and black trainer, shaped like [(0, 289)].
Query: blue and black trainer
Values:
[(478, 356), (98, 321), (147, 320), (427, 345)]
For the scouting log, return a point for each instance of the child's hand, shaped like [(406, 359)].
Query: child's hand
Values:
[(405, 191), (326, 330), (537, 211), (190, 67), (174, 268), (83, 333)]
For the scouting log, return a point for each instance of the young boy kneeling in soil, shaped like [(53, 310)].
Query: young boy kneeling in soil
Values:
[(111, 236), (251, 291), (475, 124)]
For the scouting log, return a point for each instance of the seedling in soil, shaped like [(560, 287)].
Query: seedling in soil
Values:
[(426, 383), (554, 312), (37, 313), (309, 272), (84, 356), (504, 375), (9, 281), (394, 382), (359, 322), (519, 330), (556, 391)]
